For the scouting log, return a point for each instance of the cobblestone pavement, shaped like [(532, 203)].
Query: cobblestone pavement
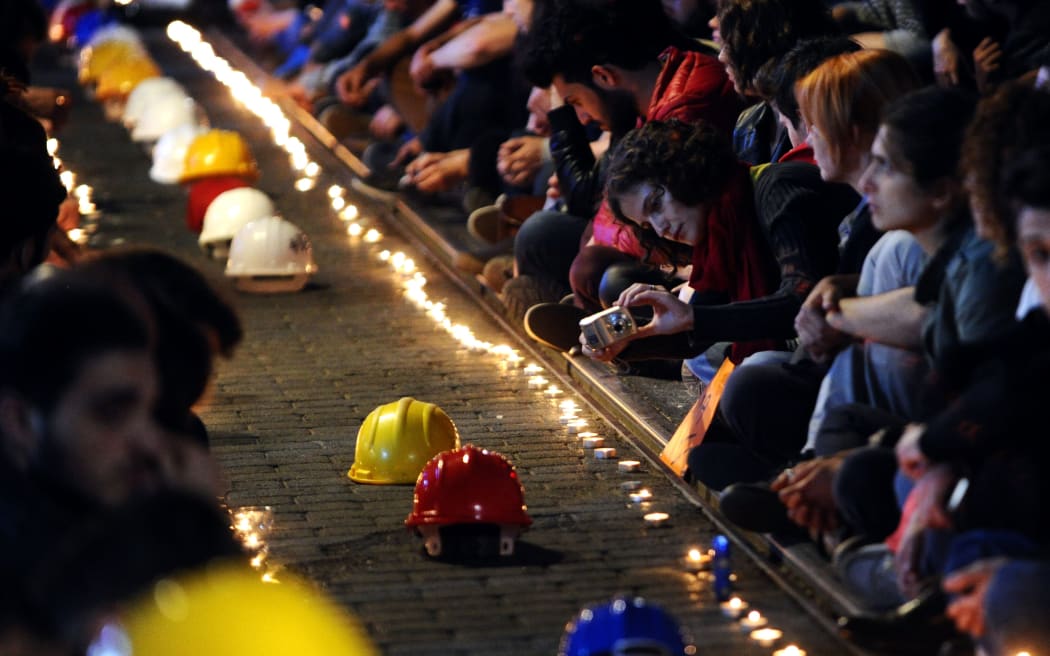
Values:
[(285, 412)]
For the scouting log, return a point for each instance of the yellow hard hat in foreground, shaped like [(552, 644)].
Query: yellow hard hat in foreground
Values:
[(227, 610), (218, 152)]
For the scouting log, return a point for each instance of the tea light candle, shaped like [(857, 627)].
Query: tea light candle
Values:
[(372, 236), (604, 453), (630, 486), (593, 442), (537, 382), (628, 466), (575, 426), (566, 417), (640, 496), (766, 637), (656, 519), (532, 369), (792, 650), (752, 621), (354, 229), (734, 608), (304, 184), (335, 191), (338, 203), (552, 391), (696, 560)]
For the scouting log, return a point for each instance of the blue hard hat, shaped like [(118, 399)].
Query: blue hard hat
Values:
[(89, 23), (624, 627)]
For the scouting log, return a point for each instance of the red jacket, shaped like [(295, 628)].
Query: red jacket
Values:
[(691, 87)]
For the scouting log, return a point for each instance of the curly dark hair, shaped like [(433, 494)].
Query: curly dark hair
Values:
[(755, 31), (1011, 119), (692, 162), (925, 129), (568, 37)]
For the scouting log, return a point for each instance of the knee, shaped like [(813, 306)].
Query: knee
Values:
[(618, 277)]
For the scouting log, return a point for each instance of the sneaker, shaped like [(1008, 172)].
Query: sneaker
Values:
[(522, 292), (475, 198), (755, 507), (554, 325), (520, 208), (497, 272), (868, 571), (488, 224)]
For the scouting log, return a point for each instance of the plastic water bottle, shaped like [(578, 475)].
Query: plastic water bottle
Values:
[(722, 567)]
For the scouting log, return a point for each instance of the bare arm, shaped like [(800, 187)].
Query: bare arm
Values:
[(490, 38), (439, 15), (892, 318)]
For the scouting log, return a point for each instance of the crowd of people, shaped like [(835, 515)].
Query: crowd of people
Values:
[(847, 201)]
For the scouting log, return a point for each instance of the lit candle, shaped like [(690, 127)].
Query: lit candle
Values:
[(792, 650), (532, 369), (552, 391), (628, 466), (354, 229), (734, 608), (640, 496), (349, 213), (657, 519), (630, 486), (566, 417), (575, 426), (537, 382), (696, 560), (372, 236), (766, 637), (335, 191), (312, 169), (338, 203), (752, 621), (604, 453), (592, 442), (304, 184)]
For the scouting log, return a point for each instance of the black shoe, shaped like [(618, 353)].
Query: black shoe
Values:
[(922, 618), (755, 507), (555, 325)]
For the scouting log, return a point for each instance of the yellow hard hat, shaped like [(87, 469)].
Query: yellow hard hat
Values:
[(119, 80), (226, 610), (398, 439), (96, 59), (218, 152)]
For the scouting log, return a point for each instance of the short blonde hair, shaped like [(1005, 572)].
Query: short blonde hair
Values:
[(845, 96)]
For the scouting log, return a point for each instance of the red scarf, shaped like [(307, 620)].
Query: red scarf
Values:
[(733, 257)]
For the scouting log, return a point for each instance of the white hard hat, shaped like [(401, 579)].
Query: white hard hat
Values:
[(115, 32), (167, 114), (170, 153), (270, 255), (145, 94), (229, 212)]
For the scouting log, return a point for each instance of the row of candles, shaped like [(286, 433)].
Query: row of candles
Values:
[(82, 193), (249, 524)]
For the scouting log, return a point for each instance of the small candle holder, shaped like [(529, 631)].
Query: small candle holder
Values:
[(575, 426), (696, 560), (640, 496), (734, 608), (628, 466), (766, 637), (630, 486), (592, 442), (537, 382), (657, 520), (792, 650), (604, 452), (753, 621), (531, 369)]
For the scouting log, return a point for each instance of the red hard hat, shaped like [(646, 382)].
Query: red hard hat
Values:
[(468, 486), (203, 192)]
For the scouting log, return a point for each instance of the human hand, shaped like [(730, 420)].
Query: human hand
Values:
[(820, 339), (68, 214), (555, 98), (670, 315), (434, 172), (945, 59), (408, 151), (354, 86), (971, 586), (519, 159), (910, 458), (928, 513), (386, 123), (827, 293), (806, 492), (986, 61), (607, 354), (539, 104), (553, 191), (422, 69)]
